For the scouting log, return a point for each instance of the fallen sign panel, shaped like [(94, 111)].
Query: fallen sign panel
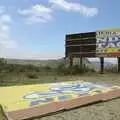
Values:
[(22, 102)]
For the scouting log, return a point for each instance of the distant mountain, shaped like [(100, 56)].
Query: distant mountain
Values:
[(52, 63)]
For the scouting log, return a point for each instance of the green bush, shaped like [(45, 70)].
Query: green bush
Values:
[(112, 69), (66, 70), (76, 70), (32, 71), (47, 68), (32, 75), (1, 78), (2, 64)]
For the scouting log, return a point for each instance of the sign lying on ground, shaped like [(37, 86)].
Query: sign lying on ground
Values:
[(21, 102), (103, 43)]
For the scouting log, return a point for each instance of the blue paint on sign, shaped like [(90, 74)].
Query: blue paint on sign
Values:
[(61, 93)]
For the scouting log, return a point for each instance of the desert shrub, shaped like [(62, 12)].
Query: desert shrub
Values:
[(91, 70), (62, 69), (32, 75), (2, 61), (66, 70), (31, 68), (12, 67), (21, 68), (1, 78), (47, 68), (111, 69), (77, 70), (2, 64)]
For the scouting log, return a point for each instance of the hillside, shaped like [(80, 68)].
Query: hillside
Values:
[(52, 63), (55, 62)]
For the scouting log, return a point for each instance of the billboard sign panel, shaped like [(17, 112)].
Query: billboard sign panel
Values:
[(108, 43), (102, 43), (81, 45)]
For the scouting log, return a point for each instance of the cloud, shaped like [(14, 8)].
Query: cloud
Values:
[(5, 18), (5, 40), (36, 14), (74, 7), (5, 27), (41, 14), (2, 9), (8, 43)]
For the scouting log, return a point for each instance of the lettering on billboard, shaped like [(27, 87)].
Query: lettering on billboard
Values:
[(108, 44)]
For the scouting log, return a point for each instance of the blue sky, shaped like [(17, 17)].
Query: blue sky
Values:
[(35, 29)]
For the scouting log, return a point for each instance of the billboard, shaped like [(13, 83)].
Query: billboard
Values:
[(108, 44), (81, 44), (102, 43)]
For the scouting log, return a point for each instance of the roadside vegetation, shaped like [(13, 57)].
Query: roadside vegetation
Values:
[(18, 74), (15, 74)]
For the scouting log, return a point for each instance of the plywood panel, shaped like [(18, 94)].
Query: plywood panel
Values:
[(35, 100)]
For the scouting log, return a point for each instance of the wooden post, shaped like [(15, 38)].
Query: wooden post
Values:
[(118, 64), (71, 61), (81, 62), (101, 65)]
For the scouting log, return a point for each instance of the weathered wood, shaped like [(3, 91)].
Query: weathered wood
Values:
[(81, 62), (101, 65), (71, 61), (118, 64)]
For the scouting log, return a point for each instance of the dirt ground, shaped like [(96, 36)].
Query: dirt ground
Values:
[(101, 111)]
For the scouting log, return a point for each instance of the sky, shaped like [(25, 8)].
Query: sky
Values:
[(36, 29)]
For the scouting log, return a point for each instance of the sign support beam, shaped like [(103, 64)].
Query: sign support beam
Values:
[(118, 64), (71, 61), (81, 62), (101, 65)]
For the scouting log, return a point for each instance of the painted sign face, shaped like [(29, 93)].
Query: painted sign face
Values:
[(42, 94), (108, 44), (62, 92)]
